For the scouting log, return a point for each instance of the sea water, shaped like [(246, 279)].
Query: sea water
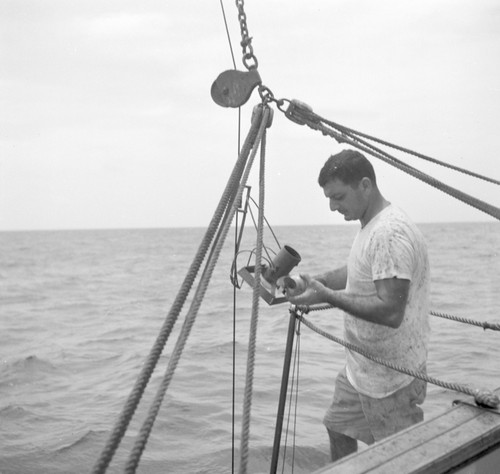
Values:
[(81, 310)]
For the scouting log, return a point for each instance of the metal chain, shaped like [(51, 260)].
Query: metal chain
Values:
[(249, 59)]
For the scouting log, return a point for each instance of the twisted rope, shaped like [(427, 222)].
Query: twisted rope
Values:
[(482, 397), (351, 131), (484, 324), (147, 426), (305, 116), (247, 402), (133, 400)]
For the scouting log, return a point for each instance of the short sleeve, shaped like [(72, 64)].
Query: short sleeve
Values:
[(391, 252)]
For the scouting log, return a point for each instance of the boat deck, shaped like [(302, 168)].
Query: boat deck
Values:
[(465, 439)]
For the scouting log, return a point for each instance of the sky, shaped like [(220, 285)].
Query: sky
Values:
[(107, 120)]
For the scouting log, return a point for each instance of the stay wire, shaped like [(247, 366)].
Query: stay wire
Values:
[(233, 401), (227, 32), (295, 376), (233, 393)]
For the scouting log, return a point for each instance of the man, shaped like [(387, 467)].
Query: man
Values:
[(384, 292)]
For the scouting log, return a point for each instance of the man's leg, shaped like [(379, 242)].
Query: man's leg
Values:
[(341, 445)]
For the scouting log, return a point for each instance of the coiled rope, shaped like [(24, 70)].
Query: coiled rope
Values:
[(482, 397), (302, 114), (227, 199)]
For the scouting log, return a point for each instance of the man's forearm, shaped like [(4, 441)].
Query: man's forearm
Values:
[(368, 308), (334, 279)]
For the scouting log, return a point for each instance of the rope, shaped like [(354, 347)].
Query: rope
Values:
[(410, 152), (133, 400), (303, 115), (247, 402), (483, 398), (191, 316), (484, 324)]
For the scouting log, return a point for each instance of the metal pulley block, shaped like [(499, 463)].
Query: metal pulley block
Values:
[(258, 109), (297, 111), (233, 88)]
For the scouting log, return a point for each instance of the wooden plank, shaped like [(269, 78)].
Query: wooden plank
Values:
[(434, 446)]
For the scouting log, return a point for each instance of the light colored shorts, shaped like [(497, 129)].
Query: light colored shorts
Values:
[(372, 419)]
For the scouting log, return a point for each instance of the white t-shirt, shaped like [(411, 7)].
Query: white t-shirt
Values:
[(389, 246)]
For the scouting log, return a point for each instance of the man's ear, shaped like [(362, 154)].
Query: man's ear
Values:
[(366, 184)]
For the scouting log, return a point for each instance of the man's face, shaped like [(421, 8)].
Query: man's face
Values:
[(348, 201)]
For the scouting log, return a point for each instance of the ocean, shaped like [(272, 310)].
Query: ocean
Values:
[(80, 311)]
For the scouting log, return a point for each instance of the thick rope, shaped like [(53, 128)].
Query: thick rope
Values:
[(133, 400), (303, 115), (410, 152), (483, 324), (483, 398), (147, 426), (247, 402)]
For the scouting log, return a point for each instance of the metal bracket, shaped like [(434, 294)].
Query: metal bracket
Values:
[(247, 274)]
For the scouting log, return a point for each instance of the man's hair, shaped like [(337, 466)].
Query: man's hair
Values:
[(349, 166)]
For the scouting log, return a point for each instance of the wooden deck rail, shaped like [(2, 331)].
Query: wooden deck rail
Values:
[(465, 439)]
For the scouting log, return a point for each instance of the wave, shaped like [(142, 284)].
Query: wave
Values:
[(90, 437), (14, 412), (33, 363), (25, 370), (303, 459)]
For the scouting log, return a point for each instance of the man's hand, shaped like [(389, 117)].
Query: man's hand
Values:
[(314, 293), (386, 307)]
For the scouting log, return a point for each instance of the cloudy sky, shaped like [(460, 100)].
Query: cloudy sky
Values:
[(107, 120)]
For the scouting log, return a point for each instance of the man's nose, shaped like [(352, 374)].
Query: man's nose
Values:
[(333, 205)]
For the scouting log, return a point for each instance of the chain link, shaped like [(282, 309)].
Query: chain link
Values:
[(249, 59)]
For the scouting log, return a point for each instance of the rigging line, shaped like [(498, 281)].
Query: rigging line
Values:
[(234, 64), (269, 258), (295, 376), (290, 404), (143, 379), (408, 151), (304, 116), (192, 313), (245, 430), (269, 225), (484, 324), (412, 171), (459, 319), (296, 399), (147, 426), (233, 391), (482, 397), (235, 253), (297, 393), (227, 33)]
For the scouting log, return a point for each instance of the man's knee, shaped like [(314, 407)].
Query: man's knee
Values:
[(341, 445)]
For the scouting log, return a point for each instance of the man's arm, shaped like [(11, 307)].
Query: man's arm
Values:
[(334, 279), (387, 307)]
